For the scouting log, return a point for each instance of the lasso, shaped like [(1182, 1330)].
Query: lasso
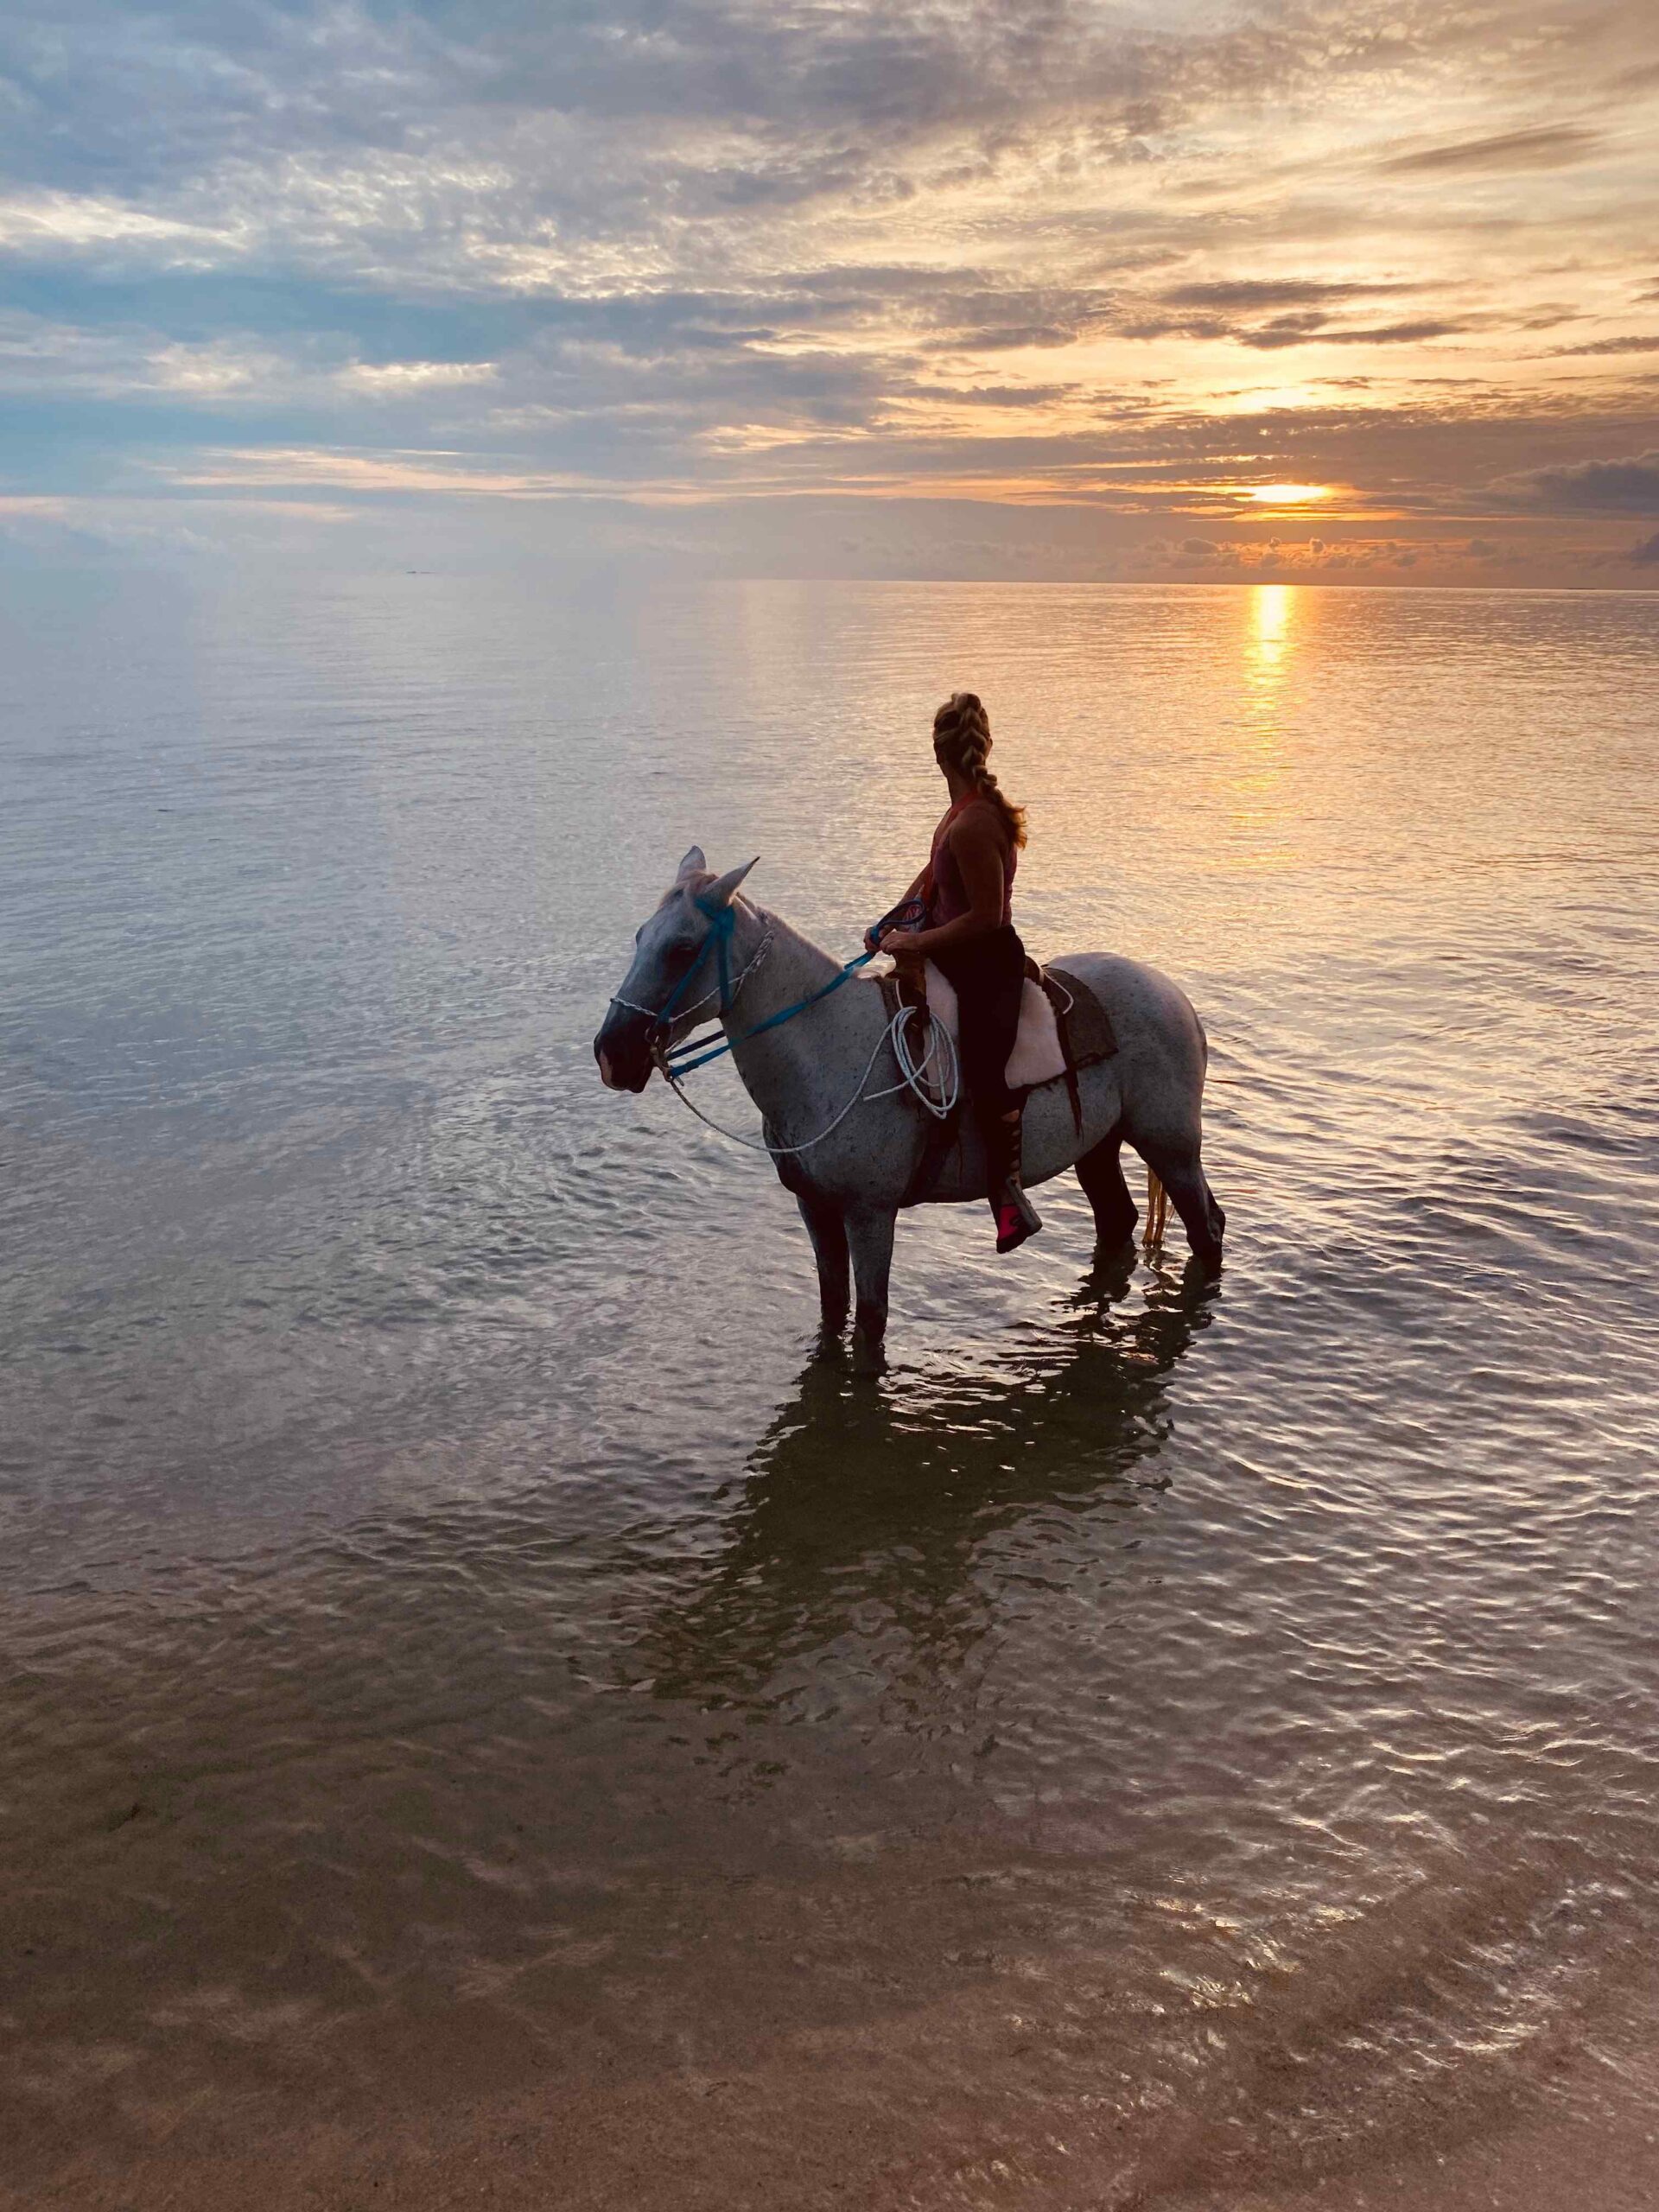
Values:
[(913, 1076)]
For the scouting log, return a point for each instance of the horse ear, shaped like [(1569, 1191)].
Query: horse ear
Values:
[(693, 864), (721, 893)]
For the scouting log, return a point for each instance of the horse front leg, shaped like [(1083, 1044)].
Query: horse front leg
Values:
[(827, 1226), (869, 1234)]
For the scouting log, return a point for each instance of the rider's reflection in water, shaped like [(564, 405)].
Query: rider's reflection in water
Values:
[(869, 1511)]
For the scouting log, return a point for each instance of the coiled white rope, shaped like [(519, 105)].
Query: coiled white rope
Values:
[(915, 1075)]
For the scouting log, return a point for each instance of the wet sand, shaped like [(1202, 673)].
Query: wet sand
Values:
[(791, 2144), (871, 2114), (893, 2028)]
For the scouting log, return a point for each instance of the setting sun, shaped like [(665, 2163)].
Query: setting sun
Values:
[(1288, 495)]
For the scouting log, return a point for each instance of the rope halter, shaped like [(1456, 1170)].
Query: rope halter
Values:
[(722, 922)]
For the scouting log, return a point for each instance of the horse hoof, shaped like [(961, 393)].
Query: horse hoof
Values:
[(869, 1354)]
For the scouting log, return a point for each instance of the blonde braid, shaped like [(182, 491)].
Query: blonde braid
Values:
[(962, 737)]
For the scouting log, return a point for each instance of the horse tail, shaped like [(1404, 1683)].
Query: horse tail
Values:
[(1152, 1236)]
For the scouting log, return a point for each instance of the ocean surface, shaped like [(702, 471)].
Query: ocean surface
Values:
[(476, 1688)]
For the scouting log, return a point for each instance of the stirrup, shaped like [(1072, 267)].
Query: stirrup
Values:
[(1016, 1218)]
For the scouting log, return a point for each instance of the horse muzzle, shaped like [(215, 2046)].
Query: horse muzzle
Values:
[(622, 1049)]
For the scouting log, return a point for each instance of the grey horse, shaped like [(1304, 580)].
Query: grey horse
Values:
[(851, 1171)]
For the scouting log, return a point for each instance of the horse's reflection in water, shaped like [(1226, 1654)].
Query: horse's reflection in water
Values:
[(869, 1511)]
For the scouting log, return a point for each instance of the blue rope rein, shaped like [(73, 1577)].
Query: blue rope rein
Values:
[(722, 921)]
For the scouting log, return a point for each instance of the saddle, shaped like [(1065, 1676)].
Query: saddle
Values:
[(1064, 1028)]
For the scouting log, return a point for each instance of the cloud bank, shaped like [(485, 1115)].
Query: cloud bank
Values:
[(719, 261)]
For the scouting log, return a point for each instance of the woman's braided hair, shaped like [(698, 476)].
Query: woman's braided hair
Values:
[(962, 738)]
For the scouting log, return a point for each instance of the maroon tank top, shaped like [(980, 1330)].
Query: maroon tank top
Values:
[(947, 895)]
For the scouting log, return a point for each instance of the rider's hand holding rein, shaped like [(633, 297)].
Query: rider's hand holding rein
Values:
[(880, 935), (890, 936)]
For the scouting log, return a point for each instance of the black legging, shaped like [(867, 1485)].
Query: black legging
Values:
[(988, 977)]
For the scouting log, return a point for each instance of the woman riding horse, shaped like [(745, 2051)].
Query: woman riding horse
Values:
[(969, 935)]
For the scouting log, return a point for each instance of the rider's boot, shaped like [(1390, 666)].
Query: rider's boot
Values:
[(1015, 1216)]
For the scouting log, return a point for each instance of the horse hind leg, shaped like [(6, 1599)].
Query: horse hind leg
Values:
[(1101, 1174), (1177, 1168)]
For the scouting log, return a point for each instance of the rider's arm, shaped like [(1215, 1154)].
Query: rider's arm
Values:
[(977, 852)]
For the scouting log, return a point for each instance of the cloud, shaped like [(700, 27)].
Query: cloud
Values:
[(998, 395), (1310, 328), (1004, 318), (1646, 554), (745, 250), (1304, 561), (47, 224), (1546, 146), (1273, 336), (276, 467), (1257, 292), (397, 379), (1621, 487), (1607, 345)]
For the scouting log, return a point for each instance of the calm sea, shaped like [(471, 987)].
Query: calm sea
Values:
[(1162, 1743)]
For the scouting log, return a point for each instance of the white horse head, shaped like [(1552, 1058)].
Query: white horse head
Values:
[(667, 984)]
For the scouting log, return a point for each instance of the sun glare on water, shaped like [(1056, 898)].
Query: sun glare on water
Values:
[(1270, 612)]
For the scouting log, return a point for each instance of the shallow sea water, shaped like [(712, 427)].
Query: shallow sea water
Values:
[(1164, 1742)]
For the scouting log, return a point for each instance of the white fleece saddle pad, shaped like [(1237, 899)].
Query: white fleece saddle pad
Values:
[(1036, 1058)]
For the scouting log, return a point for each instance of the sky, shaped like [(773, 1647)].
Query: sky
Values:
[(1340, 291)]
